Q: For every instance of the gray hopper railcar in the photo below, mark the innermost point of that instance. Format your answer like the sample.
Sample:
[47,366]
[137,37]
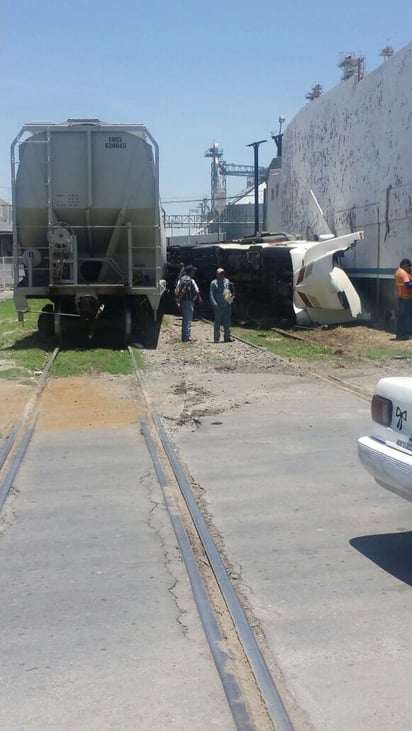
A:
[88,226]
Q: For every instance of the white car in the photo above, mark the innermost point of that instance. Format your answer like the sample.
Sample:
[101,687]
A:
[387,453]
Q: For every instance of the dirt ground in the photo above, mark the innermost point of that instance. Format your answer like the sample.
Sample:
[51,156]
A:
[187,381]
[89,402]
[13,397]
[190,380]
[352,340]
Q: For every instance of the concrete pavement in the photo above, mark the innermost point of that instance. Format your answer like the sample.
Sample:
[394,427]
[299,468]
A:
[99,629]
[323,553]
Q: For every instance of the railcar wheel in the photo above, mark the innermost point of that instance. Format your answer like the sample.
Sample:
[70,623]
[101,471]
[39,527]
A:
[127,326]
[58,324]
[45,323]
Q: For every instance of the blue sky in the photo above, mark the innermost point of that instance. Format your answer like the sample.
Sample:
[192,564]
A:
[192,73]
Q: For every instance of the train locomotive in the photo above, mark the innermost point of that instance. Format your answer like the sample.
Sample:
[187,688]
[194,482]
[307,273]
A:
[88,227]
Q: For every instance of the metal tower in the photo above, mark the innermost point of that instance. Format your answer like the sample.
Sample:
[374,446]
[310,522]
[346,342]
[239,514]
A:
[277,138]
[245,171]
[217,180]
[387,52]
[220,169]
[352,66]
[315,92]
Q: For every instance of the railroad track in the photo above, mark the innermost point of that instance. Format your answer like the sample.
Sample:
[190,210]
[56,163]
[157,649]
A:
[357,389]
[249,686]
[251,691]
[16,443]
[252,694]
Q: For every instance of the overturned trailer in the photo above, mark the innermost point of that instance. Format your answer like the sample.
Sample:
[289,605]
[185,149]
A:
[87,226]
[297,281]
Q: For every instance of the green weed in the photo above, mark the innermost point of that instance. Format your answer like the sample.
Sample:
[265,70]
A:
[24,352]
[284,347]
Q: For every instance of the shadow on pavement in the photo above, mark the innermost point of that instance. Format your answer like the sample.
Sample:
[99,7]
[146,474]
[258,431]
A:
[391,551]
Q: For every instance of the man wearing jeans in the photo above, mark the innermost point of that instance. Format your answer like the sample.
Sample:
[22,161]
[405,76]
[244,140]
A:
[403,287]
[186,294]
[221,298]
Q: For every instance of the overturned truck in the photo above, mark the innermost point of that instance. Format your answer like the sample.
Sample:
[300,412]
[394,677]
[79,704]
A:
[293,280]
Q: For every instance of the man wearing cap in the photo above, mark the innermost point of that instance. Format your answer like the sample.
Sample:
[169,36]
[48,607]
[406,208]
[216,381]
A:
[403,288]
[186,294]
[222,293]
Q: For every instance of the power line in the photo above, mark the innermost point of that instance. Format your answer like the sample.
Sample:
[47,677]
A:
[199,200]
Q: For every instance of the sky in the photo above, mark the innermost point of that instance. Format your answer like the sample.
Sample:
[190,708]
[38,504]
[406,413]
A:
[193,73]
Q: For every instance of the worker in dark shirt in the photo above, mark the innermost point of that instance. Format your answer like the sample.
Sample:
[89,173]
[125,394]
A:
[186,294]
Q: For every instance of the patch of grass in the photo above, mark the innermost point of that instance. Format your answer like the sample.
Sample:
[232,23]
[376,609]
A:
[385,353]
[16,374]
[11,329]
[92,360]
[286,348]
[167,320]
[24,352]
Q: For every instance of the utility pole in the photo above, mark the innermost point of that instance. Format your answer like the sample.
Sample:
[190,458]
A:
[255,146]
[277,138]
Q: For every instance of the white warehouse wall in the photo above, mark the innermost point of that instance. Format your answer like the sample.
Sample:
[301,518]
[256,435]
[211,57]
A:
[353,148]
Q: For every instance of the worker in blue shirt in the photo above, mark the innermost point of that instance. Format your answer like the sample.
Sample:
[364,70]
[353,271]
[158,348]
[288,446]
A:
[222,293]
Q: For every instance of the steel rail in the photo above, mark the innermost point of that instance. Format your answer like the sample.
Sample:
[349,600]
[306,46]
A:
[335,380]
[257,662]
[21,434]
[210,624]
[9,441]
[251,345]
[359,391]
[16,462]
[236,337]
